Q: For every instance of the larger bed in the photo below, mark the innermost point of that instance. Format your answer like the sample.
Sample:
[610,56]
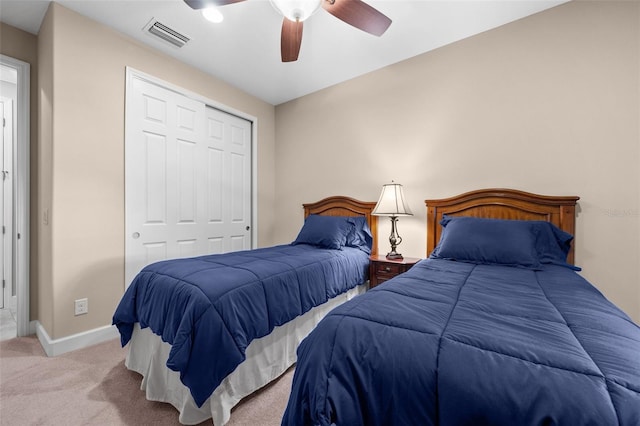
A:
[494,328]
[204,332]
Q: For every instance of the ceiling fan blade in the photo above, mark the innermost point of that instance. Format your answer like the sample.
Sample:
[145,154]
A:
[358,14]
[201,4]
[290,40]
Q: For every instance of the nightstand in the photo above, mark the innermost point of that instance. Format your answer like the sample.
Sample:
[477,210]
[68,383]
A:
[382,269]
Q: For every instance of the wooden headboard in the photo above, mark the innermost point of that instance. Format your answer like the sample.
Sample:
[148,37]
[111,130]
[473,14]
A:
[345,206]
[499,203]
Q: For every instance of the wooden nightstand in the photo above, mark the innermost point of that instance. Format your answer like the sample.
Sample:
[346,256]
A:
[382,269]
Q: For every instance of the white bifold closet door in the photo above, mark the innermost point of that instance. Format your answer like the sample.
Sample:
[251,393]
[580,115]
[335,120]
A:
[188,178]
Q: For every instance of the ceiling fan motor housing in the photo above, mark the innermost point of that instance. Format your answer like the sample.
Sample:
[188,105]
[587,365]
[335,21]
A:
[296,10]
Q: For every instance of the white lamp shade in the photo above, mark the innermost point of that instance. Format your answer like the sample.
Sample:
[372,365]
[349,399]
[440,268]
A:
[391,202]
[296,10]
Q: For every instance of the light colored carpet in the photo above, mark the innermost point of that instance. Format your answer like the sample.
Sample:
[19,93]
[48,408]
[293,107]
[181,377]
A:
[92,386]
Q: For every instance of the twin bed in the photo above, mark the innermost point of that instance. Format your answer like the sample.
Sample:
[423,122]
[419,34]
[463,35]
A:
[495,327]
[202,344]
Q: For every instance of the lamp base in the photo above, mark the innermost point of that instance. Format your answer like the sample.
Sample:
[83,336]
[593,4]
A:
[394,256]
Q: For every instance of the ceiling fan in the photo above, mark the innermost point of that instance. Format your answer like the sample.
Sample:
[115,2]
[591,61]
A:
[354,12]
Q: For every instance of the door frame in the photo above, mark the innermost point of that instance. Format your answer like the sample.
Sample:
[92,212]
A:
[21,182]
[134,73]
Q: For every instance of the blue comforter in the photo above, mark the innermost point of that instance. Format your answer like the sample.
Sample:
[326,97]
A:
[453,343]
[210,308]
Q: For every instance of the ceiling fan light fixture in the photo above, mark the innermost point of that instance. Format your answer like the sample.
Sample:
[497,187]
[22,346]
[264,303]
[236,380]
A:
[212,14]
[296,10]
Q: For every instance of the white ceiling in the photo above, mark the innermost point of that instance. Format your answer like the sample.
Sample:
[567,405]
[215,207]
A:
[244,50]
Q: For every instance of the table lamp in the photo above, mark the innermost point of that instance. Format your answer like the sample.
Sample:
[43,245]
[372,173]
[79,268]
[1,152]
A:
[392,203]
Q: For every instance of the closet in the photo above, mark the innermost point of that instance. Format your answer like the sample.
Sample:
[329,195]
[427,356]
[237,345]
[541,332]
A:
[188,186]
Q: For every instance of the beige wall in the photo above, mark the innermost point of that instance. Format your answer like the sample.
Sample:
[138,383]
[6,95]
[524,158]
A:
[548,104]
[22,45]
[85,63]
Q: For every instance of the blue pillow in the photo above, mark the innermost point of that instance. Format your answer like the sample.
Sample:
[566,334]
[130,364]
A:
[325,231]
[552,244]
[488,242]
[360,235]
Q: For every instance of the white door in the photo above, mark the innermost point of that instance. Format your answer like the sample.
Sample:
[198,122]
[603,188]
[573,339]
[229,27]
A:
[188,186]
[3,295]
[228,188]
[8,294]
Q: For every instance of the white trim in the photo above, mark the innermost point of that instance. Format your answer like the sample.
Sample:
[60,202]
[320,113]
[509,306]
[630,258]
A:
[21,191]
[254,184]
[134,73]
[75,341]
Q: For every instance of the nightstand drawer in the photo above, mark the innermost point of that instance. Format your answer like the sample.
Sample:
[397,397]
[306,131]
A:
[379,279]
[382,269]
[389,268]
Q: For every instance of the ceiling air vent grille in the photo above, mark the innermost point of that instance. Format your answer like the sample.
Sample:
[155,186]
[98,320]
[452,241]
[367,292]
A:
[167,34]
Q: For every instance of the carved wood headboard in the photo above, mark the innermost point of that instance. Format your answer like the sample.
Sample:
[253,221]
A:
[499,203]
[345,206]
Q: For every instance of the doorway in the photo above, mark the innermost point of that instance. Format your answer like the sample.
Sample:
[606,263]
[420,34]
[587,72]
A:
[14,197]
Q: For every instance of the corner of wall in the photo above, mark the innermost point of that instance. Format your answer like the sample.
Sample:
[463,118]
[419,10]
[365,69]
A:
[41,265]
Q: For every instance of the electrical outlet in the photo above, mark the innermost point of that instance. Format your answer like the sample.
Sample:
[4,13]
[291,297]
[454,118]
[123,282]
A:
[82,306]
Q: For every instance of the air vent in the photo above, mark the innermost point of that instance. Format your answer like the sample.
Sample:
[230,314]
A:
[165,33]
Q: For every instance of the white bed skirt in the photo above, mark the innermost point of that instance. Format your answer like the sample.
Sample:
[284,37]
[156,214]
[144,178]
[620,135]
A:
[267,358]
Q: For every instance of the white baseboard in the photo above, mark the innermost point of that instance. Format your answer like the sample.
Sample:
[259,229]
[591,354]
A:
[75,341]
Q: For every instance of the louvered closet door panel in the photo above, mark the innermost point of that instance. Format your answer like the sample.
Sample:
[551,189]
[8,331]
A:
[188,178]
